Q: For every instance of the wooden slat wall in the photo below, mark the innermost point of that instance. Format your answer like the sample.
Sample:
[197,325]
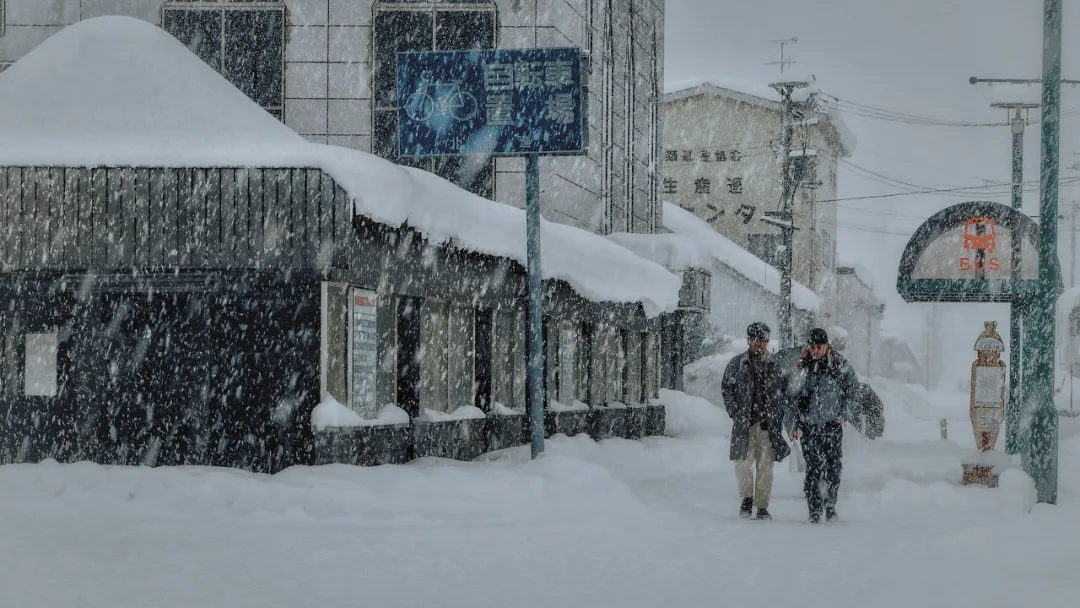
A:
[113,218]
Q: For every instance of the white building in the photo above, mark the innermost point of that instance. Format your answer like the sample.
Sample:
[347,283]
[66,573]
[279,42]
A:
[722,143]
[326,68]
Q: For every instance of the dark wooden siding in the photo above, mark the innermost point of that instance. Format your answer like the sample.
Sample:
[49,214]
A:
[114,218]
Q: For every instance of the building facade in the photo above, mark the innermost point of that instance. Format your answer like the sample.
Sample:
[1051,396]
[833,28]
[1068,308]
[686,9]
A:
[326,68]
[722,161]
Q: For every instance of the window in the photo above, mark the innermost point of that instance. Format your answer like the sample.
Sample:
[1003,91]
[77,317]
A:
[244,41]
[767,247]
[434,370]
[566,363]
[40,377]
[427,25]
[408,355]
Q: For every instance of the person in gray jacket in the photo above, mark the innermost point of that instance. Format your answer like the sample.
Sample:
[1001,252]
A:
[822,388]
[753,392]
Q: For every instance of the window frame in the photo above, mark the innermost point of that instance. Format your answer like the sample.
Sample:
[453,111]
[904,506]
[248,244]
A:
[277,111]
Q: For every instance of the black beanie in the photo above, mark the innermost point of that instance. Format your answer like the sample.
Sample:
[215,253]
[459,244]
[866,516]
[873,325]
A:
[818,336]
[758,330]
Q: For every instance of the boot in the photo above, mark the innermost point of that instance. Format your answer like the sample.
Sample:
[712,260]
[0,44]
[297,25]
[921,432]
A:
[815,517]
[830,514]
[763,513]
[747,508]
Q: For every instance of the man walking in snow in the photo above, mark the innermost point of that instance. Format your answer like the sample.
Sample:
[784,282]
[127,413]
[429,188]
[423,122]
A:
[823,386]
[753,392]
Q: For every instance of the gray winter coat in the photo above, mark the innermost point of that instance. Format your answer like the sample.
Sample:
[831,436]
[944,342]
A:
[738,393]
[821,394]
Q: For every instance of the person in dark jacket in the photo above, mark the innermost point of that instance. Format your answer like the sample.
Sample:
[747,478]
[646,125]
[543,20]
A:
[753,392]
[823,387]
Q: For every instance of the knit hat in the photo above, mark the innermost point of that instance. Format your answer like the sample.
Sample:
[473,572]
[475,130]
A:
[758,330]
[818,336]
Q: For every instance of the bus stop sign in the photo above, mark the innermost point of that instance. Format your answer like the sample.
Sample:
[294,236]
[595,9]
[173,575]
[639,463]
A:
[506,102]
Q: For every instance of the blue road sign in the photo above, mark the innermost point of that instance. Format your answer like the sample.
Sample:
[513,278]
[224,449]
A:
[507,102]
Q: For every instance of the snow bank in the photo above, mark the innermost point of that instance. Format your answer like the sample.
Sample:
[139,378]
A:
[576,406]
[690,416]
[712,243]
[118,91]
[502,410]
[331,413]
[669,250]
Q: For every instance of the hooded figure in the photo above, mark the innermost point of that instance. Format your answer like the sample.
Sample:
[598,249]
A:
[822,389]
[753,392]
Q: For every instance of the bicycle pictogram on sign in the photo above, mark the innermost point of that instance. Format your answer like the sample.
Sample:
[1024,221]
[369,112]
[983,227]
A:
[449,99]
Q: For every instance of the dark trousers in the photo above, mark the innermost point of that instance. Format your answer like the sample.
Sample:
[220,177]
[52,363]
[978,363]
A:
[823,450]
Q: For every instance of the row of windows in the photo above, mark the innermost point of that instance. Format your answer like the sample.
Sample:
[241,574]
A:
[442,355]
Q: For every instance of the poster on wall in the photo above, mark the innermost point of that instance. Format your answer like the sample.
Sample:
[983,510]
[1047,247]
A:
[363,352]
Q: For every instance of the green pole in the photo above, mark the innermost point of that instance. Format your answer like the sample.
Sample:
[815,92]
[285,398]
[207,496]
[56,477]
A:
[1041,454]
[534,371]
[1013,410]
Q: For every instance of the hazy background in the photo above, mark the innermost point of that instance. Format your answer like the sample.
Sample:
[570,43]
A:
[913,57]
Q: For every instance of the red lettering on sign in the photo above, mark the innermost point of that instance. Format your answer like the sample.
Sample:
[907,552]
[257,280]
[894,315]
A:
[993,264]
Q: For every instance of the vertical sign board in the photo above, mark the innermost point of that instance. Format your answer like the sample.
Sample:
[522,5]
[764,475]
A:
[506,102]
[363,356]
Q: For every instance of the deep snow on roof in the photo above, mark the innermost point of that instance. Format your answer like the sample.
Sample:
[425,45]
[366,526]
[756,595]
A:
[118,91]
[725,251]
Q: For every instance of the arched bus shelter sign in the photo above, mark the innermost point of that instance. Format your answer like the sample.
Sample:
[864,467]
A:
[964,254]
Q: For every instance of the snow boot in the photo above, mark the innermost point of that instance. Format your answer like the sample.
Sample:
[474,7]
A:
[830,514]
[747,508]
[763,513]
[815,518]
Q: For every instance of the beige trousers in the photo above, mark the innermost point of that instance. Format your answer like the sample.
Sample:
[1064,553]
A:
[760,453]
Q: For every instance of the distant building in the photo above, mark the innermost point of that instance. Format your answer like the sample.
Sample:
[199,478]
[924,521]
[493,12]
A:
[722,162]
[326,68]
[849,302]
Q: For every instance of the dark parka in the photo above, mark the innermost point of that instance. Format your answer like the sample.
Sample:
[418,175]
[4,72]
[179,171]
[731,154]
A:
[737,389]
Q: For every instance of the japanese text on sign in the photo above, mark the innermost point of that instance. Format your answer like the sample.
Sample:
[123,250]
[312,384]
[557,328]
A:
[500,102]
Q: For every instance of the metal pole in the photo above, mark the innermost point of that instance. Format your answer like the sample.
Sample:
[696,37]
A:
[1041,452]
[534,371]
[1016,378]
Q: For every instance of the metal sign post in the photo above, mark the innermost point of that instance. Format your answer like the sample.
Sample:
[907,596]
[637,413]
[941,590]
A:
[507,102]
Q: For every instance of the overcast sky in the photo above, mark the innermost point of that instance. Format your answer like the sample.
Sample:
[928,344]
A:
[913,57]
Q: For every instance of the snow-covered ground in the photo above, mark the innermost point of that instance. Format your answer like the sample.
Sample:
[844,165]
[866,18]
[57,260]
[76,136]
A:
[616,523]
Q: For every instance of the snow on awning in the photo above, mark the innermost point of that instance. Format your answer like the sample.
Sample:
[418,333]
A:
[725,251]
[118,91]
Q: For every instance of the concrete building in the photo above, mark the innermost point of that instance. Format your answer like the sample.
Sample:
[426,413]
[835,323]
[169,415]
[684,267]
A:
[721,143]
[326,68]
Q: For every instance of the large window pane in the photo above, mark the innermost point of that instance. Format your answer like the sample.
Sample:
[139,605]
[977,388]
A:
[199,30]
[464,30]
[461,355]
[254,53]
[434,371]
[41,373]
[396,32]
[408,355]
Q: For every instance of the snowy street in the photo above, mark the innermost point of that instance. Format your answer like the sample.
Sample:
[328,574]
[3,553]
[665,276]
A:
[618,523]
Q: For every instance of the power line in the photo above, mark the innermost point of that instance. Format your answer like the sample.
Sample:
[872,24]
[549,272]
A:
[935,191]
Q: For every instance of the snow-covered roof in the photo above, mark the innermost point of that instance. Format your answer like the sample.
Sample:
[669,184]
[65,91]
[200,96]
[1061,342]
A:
[672,251]
[741,90]
[764,96]
[725,251]
[118,91]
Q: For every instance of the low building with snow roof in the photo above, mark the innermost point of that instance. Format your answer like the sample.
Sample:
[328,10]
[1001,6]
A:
[742,288]
[192,282]
[722,146]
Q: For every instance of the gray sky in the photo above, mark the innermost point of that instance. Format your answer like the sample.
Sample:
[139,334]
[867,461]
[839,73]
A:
[913,57]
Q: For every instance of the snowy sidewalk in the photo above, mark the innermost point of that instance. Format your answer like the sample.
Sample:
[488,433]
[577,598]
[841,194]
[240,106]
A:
[620,523]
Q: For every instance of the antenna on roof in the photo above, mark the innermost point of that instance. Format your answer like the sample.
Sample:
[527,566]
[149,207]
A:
[785,60]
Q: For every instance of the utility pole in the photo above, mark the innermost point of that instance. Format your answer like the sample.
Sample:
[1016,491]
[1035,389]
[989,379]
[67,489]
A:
[786,219]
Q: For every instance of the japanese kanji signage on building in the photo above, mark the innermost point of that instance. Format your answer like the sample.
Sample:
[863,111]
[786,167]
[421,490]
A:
[363,351]
[505,102]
